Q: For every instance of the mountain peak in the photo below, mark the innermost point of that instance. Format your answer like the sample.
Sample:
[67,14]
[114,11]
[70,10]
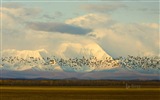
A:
[76,50]
[91,53]
[23,53]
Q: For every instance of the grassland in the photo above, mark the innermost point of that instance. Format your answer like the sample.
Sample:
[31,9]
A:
[77,93]
[13,89]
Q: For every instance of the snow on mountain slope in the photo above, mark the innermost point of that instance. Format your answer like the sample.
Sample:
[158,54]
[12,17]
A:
[23,53]
[27,59]
[77,57]
[73,50]
[38,63]
[91,52]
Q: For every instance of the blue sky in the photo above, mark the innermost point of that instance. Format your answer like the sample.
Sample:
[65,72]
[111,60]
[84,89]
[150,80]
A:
[113,24]
[133,12]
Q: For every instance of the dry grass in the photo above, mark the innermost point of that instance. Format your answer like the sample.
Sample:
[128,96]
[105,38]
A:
[78,93]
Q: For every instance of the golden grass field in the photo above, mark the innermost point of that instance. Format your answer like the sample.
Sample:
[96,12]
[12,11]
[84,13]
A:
[77,93]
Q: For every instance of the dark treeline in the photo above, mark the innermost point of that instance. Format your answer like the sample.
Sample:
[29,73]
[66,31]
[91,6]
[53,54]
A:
[105,83]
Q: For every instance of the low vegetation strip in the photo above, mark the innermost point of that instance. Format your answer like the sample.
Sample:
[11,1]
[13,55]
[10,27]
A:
[78,93]
[75,88]
[91,83]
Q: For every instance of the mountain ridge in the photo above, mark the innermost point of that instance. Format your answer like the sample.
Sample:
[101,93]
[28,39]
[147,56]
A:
[43,60]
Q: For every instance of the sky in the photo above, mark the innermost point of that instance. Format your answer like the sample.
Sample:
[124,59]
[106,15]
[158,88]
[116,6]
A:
[119,27]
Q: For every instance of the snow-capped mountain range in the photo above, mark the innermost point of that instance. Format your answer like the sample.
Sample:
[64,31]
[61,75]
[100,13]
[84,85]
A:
[20,60]
[70,59]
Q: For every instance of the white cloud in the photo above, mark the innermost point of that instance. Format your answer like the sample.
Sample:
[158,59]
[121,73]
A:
[119,38]
[152,25]
[14,18]
[115,38]
[122,45]
[13,26]
[91,20]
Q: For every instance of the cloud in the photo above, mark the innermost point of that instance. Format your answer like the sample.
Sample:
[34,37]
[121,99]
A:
[120,39]
[18,34]
[50,41]
[20,12]
[103,8]
[12,5]
[130,39]
[152,25]
[48,16]
[14,17]
[91,20]
[21,32]
[56,15]
[12,25]
[58,27]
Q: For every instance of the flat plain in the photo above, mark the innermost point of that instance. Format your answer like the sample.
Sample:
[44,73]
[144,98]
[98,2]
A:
[77,93]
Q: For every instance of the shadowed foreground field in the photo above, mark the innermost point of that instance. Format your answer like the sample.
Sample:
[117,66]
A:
[77,93]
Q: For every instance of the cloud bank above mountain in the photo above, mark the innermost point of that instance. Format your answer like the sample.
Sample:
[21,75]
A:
[58,27]
[137,38]
[23,29]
